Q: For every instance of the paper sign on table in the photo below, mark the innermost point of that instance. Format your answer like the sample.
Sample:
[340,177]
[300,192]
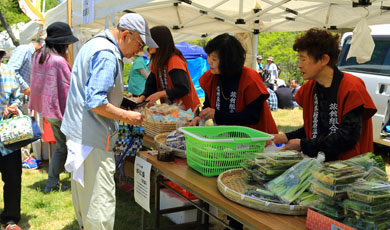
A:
[142,183]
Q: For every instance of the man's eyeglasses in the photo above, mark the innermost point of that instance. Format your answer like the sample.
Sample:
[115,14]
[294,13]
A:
[141,44]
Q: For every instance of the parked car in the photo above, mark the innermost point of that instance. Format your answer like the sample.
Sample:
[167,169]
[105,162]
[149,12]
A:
[376,76]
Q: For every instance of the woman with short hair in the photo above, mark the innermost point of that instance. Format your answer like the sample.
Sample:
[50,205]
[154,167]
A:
[337,108]
[234,94]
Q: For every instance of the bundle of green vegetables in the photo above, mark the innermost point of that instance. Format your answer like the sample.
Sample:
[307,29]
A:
[376,174]
[368,160]
[261,193]
[307,198]
[292,183]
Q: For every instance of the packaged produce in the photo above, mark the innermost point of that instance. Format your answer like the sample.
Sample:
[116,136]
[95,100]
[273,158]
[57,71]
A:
[249,167]
[282,163]
[339,172]
[248,164]
[376,173]
[363,224]
[368,160]
[367,216]
[292,183]
[371,192]
[308,199]
[270,170]
[285,155]
[259,156]
[261,178]
[176,140]
[332,201]
[373,209]
[261,193]
[334,212]
[170,113]
[332,191]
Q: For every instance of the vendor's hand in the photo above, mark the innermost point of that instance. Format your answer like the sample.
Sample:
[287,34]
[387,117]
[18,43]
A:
[207,113]
[26,91]
[154,97]
[280,138]
[140,99]
[133,118]
[194,121]
[293,144]
[11,109]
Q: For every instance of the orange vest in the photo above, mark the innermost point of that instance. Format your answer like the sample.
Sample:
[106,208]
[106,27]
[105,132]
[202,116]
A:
[351,94]
[190,100]
[249,89]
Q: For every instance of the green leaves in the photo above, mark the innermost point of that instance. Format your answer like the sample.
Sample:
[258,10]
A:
[279,45]
[11,12]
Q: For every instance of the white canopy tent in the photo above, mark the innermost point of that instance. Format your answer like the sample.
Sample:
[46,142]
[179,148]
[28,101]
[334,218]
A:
[196,19]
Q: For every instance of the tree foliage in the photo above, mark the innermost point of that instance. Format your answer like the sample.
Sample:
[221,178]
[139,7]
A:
[202,42]
[11,12]
[279,46]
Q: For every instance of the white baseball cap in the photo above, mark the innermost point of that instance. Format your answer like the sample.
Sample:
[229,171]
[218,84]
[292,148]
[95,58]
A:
[135,22]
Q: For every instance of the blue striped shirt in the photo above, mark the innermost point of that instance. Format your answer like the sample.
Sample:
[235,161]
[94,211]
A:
[9,94]
[104,68]
[21,62]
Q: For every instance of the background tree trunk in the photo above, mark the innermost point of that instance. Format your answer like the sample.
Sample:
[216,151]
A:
[9,30]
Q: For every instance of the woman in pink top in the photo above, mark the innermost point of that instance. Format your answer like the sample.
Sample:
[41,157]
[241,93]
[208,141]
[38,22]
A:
[50,80]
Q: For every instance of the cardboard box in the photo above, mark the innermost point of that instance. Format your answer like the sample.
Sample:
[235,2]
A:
[169,199]
[317,221]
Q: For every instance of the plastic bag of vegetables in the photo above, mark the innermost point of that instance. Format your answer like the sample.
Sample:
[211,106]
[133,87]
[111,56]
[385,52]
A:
[368,160]
[292,183]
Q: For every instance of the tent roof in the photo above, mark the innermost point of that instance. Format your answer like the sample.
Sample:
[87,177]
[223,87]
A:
[195,19]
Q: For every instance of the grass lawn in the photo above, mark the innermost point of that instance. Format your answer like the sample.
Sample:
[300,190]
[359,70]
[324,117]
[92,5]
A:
[55,210]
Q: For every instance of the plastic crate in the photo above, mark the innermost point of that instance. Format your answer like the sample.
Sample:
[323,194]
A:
[181,190]
[212,150]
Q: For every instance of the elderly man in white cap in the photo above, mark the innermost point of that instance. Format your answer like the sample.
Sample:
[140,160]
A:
[91,118]
[271,72]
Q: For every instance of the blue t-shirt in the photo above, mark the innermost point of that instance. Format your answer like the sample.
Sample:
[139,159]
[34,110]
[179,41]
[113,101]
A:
[136,80]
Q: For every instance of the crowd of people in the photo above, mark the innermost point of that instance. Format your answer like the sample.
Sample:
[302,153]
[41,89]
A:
[281,95]
[82,103]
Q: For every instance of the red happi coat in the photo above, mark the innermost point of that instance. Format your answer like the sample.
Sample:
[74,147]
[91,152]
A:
[351,94]
[249,89]
[190,100]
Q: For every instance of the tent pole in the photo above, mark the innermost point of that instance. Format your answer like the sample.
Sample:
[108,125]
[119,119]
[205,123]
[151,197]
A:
[70,47]
[255,40]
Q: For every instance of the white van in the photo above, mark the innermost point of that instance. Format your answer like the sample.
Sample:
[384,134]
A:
[376,76]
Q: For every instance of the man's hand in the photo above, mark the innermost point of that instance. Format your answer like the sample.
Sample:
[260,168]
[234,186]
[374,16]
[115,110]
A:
[207,113]
[27,91]
[133,118]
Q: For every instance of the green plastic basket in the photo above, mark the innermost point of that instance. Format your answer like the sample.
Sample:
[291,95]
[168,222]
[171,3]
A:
[212,150]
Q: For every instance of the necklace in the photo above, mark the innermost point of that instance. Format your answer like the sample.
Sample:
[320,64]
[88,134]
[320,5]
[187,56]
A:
[226,98]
